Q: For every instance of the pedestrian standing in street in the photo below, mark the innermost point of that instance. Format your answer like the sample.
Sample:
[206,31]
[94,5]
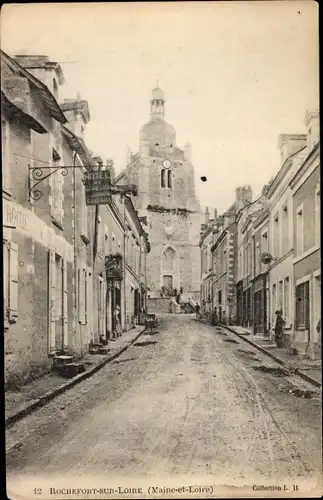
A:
[197,310]
[214,318]
[279,329]
[118,323]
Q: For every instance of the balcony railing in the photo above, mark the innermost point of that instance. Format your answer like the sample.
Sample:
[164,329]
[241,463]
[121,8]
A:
[114,267]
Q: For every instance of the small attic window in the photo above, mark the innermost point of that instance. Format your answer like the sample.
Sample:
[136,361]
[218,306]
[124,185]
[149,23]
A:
[157,144]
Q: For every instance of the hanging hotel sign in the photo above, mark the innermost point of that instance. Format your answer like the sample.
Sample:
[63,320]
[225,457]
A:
[99,189]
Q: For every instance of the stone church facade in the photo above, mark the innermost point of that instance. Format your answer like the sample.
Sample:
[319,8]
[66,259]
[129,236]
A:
[167,204]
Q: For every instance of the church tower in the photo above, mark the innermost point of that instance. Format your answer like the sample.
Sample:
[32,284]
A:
[164,175]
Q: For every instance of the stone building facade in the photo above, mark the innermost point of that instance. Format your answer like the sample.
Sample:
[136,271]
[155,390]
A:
[56,293]
[206,241]
[305,187]
[166,201]
[223,260]
[281,228]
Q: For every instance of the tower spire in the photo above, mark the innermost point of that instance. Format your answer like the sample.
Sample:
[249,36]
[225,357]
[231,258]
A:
[157,101]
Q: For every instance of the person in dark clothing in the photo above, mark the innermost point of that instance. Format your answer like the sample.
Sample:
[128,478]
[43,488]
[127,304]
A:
[279,329]
[197,310]
[214,318]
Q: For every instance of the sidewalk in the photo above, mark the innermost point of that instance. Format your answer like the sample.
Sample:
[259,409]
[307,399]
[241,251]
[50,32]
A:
[27,398]
[307,369]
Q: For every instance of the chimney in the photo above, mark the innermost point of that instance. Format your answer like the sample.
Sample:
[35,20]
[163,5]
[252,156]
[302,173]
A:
[215,214]
[98,161]
[48,72]
[188,151]
[289,144]
[128,155]
[312,123]
[207,216]
[77,113]
[265,189]
[243,195]
[112,171]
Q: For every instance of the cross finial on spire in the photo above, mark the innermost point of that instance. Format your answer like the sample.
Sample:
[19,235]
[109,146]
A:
[158,83]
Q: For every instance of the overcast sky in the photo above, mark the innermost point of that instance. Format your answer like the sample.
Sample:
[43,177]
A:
[235,75]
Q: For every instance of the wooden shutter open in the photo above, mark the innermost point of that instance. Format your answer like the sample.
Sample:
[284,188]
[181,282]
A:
[5,248]
[51,299]
[85,297]
[65,310]
[13,282]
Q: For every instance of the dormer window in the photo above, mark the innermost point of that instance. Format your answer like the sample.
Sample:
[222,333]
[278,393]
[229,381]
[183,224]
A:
[157,144]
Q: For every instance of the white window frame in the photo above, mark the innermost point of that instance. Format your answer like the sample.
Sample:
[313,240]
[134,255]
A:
[84,227]
[287,300]
[82,296]
[299,235]
[106,240]
[317,214]
[56,183]
[285,238]
[276,236]
[100,237]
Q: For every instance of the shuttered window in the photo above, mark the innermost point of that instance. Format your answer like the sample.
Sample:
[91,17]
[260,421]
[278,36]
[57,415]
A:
[57,298]
[10,282]
[303,305]
[56,181]
[82,296]
[51,300]
[65,304]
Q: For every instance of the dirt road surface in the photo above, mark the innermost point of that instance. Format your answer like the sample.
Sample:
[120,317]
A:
[187,402]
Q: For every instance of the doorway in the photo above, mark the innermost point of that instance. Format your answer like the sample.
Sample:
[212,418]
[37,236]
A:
[59,293]
[168,281]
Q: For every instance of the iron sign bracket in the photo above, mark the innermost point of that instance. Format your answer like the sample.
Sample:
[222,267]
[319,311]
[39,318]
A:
[38,174]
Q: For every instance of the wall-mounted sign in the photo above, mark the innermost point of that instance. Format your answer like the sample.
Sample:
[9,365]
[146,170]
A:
[97,187]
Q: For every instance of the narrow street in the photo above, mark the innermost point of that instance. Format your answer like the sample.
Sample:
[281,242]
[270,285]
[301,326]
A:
[186,401]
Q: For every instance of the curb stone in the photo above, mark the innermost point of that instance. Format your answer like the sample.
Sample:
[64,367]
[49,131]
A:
[297,371]
[48,396]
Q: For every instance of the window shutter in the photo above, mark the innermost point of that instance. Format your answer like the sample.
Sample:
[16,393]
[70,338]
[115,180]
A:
[80,294]
[51,299]
[65,311]
[5,283]
[85,297]
[103,299]
[307,304]
[89,306]
[13,282]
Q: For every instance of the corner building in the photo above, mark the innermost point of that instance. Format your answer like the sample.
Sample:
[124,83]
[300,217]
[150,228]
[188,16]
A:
[167,204]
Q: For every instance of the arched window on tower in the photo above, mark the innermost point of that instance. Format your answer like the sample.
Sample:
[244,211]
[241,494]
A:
[169,257]
[169,179]
[162,178]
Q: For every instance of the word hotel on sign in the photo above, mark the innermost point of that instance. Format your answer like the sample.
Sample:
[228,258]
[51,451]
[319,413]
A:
[95,175]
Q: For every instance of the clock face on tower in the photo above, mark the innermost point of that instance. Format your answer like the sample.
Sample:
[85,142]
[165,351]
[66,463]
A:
[166,163]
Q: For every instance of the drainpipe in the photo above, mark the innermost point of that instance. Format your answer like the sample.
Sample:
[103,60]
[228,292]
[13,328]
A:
[95,243]
[124,266]
[253,284]
[75,251]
